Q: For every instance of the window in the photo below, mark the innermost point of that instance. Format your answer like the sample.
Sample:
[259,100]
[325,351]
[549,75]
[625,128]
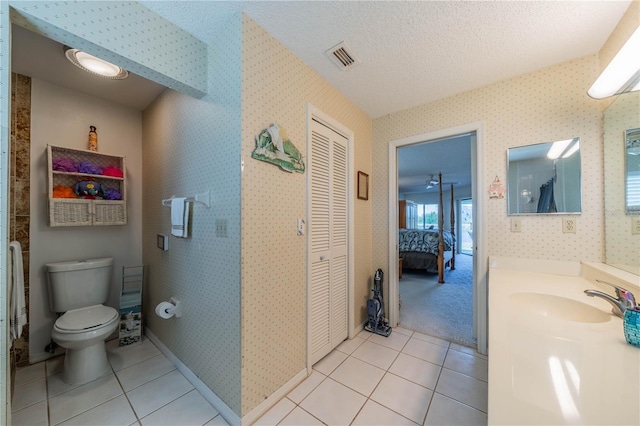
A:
[427,216]
[633,192]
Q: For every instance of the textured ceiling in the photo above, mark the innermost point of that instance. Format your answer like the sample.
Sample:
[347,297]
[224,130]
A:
[414,52]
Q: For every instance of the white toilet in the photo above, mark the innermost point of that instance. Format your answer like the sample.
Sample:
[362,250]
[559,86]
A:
[78,288]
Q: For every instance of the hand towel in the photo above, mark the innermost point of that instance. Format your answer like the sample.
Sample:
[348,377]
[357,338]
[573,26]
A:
[179,217]
[17,306]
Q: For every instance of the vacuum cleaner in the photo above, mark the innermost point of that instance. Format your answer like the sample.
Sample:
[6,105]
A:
[377,323]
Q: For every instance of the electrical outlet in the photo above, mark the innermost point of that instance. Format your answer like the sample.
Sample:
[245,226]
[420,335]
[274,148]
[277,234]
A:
[516,224]
[221,228]
[569,225]
[635,225]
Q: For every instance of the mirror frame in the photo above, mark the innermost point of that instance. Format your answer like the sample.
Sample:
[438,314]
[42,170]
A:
[533,197]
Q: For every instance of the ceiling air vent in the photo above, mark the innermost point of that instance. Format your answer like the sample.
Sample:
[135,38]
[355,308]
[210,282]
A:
[342,55]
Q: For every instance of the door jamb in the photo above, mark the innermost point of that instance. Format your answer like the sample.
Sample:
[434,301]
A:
[317,114]
[479,199]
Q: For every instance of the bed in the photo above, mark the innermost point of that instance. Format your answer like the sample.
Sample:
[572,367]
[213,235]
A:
[430,249]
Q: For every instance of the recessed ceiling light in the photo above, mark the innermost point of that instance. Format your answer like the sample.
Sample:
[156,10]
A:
[93,65]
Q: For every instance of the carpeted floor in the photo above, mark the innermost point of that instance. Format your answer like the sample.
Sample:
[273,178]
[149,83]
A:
[440,310]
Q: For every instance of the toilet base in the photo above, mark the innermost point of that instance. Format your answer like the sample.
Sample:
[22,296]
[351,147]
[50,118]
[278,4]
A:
[85,364]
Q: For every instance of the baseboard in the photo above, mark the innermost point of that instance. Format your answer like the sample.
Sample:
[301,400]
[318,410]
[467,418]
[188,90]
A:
[227,413]
[274,398]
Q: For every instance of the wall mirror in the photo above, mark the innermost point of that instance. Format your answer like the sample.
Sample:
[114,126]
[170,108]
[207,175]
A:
[544,178]
[621,121]
[632,171]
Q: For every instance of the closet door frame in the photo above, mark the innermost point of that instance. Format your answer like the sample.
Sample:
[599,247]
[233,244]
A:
[314,113]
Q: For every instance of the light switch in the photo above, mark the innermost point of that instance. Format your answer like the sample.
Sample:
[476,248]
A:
[221,228]
[300,226]
[516,224]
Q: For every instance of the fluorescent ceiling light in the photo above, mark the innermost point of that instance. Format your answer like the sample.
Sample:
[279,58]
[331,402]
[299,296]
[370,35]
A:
[557,149]
[93,65]
[623,72]
[572,149]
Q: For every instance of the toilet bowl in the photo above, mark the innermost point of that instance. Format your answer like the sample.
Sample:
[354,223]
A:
[78,289]
[82,333]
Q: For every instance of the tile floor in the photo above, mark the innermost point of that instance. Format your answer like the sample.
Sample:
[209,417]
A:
[406,379]
[144,388]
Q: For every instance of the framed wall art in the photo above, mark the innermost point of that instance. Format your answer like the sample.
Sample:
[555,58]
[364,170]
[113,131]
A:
[363,186]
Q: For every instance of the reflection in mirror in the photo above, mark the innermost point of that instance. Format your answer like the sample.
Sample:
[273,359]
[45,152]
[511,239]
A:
[544,178]
[622,246]
[632,175]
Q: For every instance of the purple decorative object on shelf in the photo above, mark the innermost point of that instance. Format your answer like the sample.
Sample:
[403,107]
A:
[64,164]
[89,168]
[112,194]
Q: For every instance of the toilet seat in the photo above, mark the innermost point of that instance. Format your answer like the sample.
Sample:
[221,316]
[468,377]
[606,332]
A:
[86,319]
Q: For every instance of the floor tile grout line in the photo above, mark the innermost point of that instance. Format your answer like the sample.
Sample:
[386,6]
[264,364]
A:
[460,402]
[169,402]
[450,397]
[465,374]
[46,384]
[125,394]
[88,409]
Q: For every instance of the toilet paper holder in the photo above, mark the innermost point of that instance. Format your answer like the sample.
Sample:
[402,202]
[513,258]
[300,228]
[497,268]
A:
[176,310]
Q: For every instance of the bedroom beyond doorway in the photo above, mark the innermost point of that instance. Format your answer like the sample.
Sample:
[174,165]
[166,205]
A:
[466,226]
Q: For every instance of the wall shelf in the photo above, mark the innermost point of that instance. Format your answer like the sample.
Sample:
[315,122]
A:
[85,212]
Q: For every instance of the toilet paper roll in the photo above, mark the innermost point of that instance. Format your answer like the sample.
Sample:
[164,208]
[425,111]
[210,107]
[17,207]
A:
[165,310]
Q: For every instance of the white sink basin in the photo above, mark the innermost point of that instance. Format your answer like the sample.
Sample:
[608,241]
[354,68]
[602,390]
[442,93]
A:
[558,307]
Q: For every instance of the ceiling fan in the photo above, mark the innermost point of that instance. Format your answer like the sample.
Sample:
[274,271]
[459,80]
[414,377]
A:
[433,181]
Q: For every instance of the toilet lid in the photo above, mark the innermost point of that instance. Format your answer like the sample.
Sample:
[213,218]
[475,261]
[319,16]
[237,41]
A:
[85,318]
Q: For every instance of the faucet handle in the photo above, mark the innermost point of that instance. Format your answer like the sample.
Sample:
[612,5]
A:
[622,293]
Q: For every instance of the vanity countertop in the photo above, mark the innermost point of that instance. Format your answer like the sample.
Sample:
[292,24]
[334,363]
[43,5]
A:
[557,356]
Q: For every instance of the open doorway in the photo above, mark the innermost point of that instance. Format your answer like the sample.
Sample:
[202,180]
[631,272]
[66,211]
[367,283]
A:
[476,246]
[434,177]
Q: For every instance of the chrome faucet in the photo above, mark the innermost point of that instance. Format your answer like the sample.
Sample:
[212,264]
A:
[624,298]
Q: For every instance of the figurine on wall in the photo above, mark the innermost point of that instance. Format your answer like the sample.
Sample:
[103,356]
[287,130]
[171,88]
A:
[273,146]
[93,139]
[496,189]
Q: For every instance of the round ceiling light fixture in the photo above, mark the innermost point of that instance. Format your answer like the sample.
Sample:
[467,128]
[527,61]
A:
[93,65]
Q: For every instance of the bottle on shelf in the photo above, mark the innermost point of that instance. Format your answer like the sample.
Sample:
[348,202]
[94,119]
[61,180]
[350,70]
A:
[93,139]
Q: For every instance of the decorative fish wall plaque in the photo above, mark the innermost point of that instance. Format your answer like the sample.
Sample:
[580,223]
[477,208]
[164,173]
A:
[273,146]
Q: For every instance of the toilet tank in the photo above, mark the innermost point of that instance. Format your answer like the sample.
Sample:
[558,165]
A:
[78,283]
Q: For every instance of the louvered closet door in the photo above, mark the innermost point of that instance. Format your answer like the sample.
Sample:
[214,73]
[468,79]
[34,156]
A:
[328,240]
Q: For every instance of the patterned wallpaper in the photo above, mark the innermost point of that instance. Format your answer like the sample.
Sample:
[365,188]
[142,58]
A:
[276,87]
[545,105]
[622,247]
[190,146]
[123,32]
